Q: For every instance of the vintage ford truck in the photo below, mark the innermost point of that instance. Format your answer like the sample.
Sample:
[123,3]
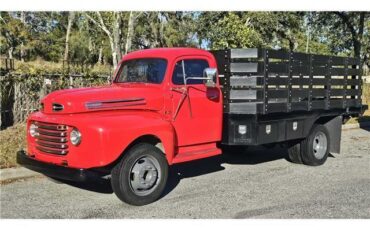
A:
[171,105]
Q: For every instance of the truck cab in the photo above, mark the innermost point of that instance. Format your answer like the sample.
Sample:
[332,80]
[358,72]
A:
[161,100]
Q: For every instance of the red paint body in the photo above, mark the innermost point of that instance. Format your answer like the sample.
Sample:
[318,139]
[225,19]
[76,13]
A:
[187,132]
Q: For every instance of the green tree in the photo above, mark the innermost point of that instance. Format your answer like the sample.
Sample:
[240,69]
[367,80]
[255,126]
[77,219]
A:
[228,30]
[345,32]
[13,33]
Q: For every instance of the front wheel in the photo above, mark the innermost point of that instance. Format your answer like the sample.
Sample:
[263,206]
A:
[141,175]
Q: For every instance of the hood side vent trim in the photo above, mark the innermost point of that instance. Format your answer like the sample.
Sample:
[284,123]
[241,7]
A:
[115,103]
[57,107]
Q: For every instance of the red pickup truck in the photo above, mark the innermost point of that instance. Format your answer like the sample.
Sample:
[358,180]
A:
[172,105]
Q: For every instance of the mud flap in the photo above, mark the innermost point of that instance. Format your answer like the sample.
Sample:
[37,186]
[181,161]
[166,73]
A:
[334,127]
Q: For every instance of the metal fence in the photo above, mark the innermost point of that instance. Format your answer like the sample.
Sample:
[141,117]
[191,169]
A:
[20,94]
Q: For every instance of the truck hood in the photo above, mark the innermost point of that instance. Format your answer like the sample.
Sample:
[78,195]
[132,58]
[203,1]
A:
[113,97]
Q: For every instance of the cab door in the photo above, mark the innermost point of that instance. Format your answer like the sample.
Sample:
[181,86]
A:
[196,109]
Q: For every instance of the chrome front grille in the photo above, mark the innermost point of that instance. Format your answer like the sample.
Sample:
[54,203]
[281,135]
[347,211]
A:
[51,138]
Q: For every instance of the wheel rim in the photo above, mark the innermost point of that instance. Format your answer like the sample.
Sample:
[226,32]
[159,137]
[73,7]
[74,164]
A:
[320,145]
[144,175]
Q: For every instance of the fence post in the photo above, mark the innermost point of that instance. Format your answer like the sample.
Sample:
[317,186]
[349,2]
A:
[70,81]
[1,101]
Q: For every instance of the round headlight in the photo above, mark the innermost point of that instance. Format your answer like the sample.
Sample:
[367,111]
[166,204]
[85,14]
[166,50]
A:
[33,130]
[75,137]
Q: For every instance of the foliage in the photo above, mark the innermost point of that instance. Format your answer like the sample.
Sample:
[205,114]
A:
[344,32]
[13,33]
[38,67]
[231,31]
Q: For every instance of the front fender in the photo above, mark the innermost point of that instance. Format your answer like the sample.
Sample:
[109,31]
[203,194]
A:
[122,131]
[105,136]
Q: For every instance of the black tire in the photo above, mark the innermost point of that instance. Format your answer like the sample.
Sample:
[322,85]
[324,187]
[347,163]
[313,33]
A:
[309,153]
[294,152]
[122,175]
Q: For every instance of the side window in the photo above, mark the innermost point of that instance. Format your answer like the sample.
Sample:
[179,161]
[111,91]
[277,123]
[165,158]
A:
[192,67]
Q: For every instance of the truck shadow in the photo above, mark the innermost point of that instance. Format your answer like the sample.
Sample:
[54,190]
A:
[365,127]
[250,156]
[101,186]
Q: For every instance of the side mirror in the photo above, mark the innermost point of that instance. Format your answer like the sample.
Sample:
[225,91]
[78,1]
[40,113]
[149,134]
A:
[210,77]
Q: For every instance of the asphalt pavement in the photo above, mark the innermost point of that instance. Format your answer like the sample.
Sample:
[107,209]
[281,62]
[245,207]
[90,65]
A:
[257,183]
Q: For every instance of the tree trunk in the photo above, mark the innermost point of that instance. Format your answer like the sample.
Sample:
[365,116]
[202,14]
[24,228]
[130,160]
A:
[356,48]
[23,20]
[130,32]
[117,37]
[10,52]
[113,35]
[71,16]
[155,31]
[358,41]
[161,30]
[100,57]
[114,53]
[356,36]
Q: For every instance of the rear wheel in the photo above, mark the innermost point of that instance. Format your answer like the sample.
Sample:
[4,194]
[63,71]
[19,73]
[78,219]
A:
[315,148]
[141,176]
[294,152]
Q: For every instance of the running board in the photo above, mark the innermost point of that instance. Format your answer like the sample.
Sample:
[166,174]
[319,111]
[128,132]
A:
[195,152]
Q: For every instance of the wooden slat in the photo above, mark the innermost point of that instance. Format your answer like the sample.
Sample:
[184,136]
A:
[247,94]
[278,68]
[336,104]
[278,80]
[353,82]
[277,54]
[245,67]
[319,81]
[337,81]
[243,107]
[338,71]
[277,93]
[244,53]
[338,61]
[319,59]
[277,107]
[302,93]
[300,81]
[353,71]
[244,81]
[301,70]
[299,106]
[319,71]
[318,92]
[319,104]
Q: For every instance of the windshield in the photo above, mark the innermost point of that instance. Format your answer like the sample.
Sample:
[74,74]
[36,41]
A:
[148,70]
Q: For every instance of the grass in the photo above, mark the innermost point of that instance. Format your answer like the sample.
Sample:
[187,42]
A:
[11,140]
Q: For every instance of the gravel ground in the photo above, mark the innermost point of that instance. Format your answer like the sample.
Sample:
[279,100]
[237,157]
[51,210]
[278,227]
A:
[258,184]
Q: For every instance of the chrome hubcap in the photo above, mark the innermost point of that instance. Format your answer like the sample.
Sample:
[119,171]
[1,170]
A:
[320,145]
[144,175]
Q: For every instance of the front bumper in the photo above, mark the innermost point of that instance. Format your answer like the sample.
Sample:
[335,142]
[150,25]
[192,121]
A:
[56,171]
